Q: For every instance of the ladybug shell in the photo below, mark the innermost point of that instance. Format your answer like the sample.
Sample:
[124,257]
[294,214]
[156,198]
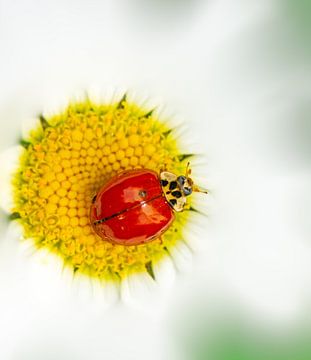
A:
[130,209]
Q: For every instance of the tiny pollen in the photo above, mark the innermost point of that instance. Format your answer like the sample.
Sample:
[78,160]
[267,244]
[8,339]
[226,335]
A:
[67,159]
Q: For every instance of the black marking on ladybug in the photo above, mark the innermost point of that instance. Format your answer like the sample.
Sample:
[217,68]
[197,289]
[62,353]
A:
[94,199]
[187,191]
[168,192]
[120,104]
[125,210]
[173,185]
[25,143]
[181,180]
[43,122]
[164,182]
[14,216]
[149,268]
[184,156]
[142,193]
[177,194]
[173,202]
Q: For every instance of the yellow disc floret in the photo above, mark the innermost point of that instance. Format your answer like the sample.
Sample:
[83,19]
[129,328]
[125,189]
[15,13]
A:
[67,159]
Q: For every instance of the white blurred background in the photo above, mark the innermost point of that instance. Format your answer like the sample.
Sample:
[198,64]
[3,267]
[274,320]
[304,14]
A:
[238,74]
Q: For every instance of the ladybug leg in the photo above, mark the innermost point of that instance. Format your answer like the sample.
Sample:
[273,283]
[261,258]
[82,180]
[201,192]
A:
[94,198]
[160,240]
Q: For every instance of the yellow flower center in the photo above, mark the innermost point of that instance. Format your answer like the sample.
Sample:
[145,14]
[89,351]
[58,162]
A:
[67,159]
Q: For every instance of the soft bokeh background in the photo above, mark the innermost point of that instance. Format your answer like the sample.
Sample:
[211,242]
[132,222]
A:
[238,74]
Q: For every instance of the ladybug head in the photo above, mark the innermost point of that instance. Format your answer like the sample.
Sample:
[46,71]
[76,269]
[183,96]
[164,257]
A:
[177,188]
[186,183]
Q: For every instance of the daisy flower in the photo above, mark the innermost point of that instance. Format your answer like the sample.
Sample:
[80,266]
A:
[235,73]
[65,161]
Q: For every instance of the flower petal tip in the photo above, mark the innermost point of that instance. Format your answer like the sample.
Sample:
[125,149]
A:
[182,257]
[28,125]
[137,287]
[8,164]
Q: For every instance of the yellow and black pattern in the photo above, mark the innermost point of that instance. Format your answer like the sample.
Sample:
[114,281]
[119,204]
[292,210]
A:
[172,191]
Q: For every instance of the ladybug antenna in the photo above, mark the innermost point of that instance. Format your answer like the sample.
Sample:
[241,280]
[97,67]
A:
[195,188]
[188,170]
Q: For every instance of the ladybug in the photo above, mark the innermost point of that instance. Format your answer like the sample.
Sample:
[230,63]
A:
[137,206]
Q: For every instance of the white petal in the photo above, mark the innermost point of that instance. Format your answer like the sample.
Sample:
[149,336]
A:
[105,293]
[85,291]
[15,231]
[106,95]
[182,257]
[165,273]
[28,125]
[195,233]
[141,292]
[150,295]
[44,276]
[137,284]
[10,243]
[52,106]
[8,164]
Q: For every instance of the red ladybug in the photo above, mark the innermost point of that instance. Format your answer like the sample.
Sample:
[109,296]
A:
[137,206]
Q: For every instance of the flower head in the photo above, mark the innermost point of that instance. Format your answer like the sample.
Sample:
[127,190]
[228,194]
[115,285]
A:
[66,160]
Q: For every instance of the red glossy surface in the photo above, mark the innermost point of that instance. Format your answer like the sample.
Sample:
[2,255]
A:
[134,207]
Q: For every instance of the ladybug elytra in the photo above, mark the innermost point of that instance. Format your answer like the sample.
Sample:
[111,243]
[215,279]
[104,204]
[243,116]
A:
[137,206]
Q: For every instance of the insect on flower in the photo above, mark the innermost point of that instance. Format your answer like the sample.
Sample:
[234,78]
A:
[137,206]
[128,157]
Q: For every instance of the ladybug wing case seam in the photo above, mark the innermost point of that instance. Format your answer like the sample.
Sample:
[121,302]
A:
[125,210]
